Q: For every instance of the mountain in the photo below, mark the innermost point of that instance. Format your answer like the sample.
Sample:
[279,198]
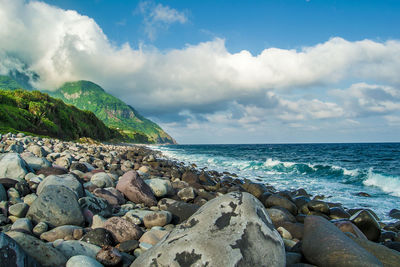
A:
[38,113]
[112,111]
[8,83]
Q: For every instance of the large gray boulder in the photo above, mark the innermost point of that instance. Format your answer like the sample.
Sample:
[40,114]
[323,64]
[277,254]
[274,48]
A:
[67,180]
[37,249]
[36,163]
[13,166]
[232,230]
[56,205]
[11,254]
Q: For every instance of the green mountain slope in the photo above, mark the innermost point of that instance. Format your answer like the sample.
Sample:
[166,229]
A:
[8,83]
[111,110]
[38,113]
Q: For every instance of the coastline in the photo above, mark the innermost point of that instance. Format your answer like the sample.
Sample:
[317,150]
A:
[142,201]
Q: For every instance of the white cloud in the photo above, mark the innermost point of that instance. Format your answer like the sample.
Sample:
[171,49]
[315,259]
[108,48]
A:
[212,84]
[159,17]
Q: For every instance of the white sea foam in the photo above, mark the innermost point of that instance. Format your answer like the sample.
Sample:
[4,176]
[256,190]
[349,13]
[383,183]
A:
[388,184]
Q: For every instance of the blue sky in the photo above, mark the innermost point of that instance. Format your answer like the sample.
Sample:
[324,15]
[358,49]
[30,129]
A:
[223,71]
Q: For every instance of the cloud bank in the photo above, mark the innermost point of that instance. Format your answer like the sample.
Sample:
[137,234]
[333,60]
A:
[204,83]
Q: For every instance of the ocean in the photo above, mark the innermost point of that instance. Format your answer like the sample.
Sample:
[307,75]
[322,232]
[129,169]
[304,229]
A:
[336,171]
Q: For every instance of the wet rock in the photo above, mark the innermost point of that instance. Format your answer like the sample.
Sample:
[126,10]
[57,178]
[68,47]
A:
[122,230]
[279,201]
[255,189]
[349,227]
[180,210]
[325,245]
[367,223]
[99,237]
[81,260]
[237,219]
[395,214]
[135,189]
[67,180]
[160,187]
[338,213]
[318,206]
[280,215]
[11,254]
[160,218]
[37,249]
[59,232]
[387,256]
[14,167]
[72,248]
[392,245]
[109,256]
[56,205]
[112,195]
[129,246]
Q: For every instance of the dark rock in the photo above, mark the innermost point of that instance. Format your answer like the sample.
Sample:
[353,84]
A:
[52,171]
[180,210]
[338,213]
[325,245]
[109,256]
[280,215]
[295,229]
[99,237]
[56,205]
[387,236]
[8,183]
[387,256]
[292,258]
[300,201]
[392,245]
[363,194]
[354,211]
[128,246]
[395,214]
[235,225]
[279,201]
[23,188]
[11,254]
[190,177]
[318,206]
[255,189]
[135,189]
[79,166]
[112,195]
[94,205]
[367,223]
[122,230]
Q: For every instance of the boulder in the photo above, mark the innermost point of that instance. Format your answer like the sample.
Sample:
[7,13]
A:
[19,210]
[367,223]
[122,230]
[22,224]
[280,215]
[91,206]
[52,171]
[109,256]
[36,163]
[72,248]
[59,232]
[81,260]
[153,236]
[135,189]
[99,237]
[102,180]
[56,205]
[180,210]
[325,245]
[231,230]
[112,195]
[45,255]
[349,227]
[387,256]
[67,180]
[160,187]
[338,213]
[11,254]
[394,213]
[279,201]
[159,218]
[14,167]
[37,150]
[187,194]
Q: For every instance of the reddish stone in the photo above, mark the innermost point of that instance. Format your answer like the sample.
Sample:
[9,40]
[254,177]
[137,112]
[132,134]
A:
[135,189]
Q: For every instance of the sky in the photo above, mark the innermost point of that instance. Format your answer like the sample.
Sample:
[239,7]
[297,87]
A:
[235,71]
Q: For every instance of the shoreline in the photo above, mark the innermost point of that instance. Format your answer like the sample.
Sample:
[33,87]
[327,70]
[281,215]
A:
[141,201]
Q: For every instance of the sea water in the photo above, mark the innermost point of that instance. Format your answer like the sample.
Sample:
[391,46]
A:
[336,171]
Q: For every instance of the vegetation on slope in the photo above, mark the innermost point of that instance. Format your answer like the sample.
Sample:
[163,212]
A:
[38,113]
[112,111]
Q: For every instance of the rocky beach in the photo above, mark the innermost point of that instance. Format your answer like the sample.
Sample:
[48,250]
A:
[93,204]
